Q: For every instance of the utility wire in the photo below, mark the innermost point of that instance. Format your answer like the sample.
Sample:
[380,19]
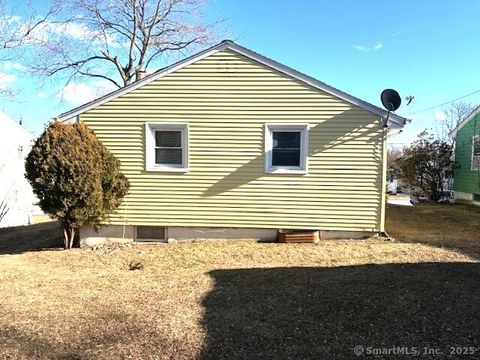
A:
[445,103]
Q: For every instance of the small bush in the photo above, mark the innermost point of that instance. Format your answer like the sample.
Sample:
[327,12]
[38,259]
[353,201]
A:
[76,179]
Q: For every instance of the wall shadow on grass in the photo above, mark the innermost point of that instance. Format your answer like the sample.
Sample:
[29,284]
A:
[19,239]
[323,313]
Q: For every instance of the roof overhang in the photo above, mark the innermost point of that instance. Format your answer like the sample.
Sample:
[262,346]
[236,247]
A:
[394,121]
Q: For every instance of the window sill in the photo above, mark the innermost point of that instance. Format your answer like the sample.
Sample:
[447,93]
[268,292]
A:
[166,169]
[286,171]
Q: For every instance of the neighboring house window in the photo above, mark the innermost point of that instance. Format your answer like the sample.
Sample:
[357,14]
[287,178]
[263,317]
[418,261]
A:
[286,148]
[166,147]
[476,152]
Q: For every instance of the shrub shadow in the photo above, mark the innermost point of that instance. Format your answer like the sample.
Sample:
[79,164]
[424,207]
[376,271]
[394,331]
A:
[323,313]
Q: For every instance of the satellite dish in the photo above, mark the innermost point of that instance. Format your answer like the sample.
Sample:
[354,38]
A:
[390,99]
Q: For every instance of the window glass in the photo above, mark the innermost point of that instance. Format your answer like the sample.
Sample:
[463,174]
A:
[286,148]
[168,138]
[168,147]
[476,145]
[150,232]
[168,156]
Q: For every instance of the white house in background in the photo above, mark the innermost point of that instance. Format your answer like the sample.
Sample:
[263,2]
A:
[15,191]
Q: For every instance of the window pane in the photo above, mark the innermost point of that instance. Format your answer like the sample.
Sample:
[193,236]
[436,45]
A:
[476,162]
[286,140]
[286,148]
[168,156]
[168,138]
[285,157]
[476,146]
[150,233]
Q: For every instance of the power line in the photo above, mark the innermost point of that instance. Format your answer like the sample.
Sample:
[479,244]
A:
[445,103]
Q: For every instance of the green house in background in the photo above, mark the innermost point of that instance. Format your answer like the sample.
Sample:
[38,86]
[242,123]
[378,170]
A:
[467,158]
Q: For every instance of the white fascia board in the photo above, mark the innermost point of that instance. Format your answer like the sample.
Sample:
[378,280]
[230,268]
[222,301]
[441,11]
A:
[394,122]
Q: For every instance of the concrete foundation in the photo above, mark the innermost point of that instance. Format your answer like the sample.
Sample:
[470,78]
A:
[198,234]
[119,233]
[458,195]
[112,233]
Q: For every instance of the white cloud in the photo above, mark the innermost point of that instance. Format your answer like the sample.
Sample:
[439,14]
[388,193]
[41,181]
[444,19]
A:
[6,80]
[79,32]
[9,65]
[42,95]
[374,47]
[76,31]
[360,47]
[440,116]
[81,93]
[152,70]
[12,19]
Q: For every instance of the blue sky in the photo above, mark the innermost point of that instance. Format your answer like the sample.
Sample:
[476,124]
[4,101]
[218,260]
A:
[428,49]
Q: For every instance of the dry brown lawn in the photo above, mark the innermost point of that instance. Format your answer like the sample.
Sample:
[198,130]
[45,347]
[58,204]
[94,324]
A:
[245,300]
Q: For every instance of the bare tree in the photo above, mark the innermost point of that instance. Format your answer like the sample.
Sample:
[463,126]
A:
[454,114]
[16,33]
[393,170]
[118,40]
[3,208]
[19,32]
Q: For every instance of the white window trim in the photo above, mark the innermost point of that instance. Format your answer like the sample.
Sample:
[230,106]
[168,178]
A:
[150,129]
[303,168]
[473,168]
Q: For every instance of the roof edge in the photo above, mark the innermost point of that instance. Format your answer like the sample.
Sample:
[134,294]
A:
[150,77]
[395,121]
[461,124]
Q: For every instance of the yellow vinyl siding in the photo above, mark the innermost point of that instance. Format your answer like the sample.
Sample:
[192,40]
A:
[227,99]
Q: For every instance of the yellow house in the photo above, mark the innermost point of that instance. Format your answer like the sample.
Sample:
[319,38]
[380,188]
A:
[230,144]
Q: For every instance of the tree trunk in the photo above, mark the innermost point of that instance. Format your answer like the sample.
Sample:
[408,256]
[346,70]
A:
[68,236]
[139,74]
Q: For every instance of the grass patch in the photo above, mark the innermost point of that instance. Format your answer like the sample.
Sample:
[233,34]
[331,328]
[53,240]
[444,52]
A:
[451,226]
[243,299]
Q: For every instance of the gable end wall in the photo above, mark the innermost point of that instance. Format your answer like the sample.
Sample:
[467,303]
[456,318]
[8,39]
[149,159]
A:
[226,99]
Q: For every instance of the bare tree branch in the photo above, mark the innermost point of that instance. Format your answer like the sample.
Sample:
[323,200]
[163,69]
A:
[452,116]
[121,37]
[16,33]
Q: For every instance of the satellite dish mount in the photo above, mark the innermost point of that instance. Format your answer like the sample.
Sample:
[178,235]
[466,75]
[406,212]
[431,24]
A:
[391,101]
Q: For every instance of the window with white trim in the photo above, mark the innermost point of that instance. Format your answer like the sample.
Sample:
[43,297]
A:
[166,147]
[476,152]
[286,148]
